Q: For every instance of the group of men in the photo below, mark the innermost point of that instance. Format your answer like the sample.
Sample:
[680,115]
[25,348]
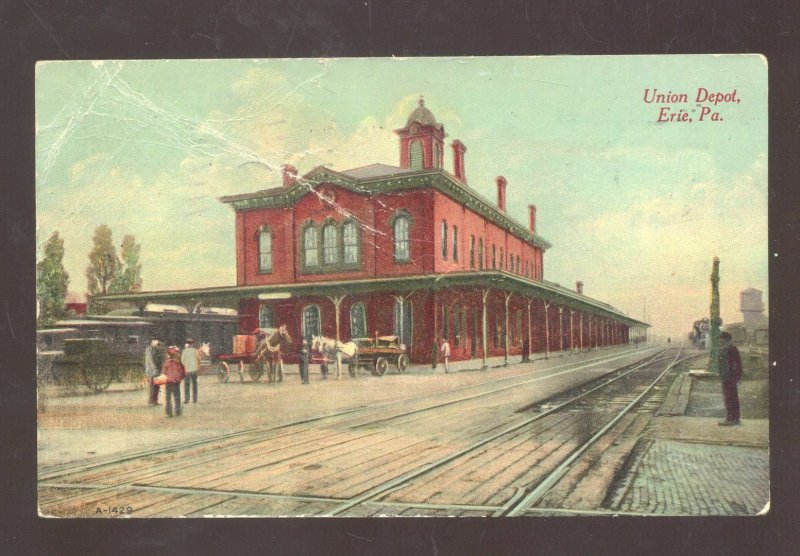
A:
[170,371]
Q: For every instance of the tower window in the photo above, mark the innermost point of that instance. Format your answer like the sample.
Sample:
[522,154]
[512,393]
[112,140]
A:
[415,158]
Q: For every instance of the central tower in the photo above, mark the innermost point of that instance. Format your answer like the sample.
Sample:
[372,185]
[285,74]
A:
[422,140]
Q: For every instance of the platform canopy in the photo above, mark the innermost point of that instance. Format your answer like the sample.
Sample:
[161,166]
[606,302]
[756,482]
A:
[229,296]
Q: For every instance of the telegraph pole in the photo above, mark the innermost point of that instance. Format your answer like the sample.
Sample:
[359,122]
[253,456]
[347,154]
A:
[714,321]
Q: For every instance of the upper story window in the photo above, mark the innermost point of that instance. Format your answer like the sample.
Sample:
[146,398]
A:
[310,246]
[494,257]
[415,159]
[444,239]
[402,247]
[264,250]
[455,243]
[480,253]
[330,244]
[350,235]
[517,264]
[502,259]
[472,251]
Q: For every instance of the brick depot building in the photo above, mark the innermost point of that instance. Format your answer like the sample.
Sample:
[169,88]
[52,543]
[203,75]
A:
[409,250]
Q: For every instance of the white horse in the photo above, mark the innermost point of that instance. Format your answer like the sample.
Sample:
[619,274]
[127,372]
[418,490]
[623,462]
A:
[334,348]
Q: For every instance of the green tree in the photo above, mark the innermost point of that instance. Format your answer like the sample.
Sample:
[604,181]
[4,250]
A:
[52,281]
[102,267]
[129,272]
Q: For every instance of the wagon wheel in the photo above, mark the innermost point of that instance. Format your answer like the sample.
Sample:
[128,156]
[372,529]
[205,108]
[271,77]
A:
[402,362]
[256,370]
[223,372]
[97,379]
[381,364]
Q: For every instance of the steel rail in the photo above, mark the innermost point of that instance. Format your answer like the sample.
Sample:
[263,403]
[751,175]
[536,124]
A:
[514,508]
[404,478]
[60,470]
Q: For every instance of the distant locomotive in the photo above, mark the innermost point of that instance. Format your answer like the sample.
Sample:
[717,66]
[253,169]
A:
[699,336]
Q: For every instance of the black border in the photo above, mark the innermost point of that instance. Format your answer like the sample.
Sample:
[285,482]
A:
[37,30]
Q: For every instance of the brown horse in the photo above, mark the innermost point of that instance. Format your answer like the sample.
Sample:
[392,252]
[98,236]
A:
[271,351]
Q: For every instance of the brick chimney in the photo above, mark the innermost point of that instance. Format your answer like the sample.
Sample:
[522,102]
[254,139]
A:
[532,218]
[501,193]
[579,287]
[458,161]
[289,175]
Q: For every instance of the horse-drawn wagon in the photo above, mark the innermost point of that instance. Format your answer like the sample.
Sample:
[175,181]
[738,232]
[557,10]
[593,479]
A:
[252,351]
[377,353]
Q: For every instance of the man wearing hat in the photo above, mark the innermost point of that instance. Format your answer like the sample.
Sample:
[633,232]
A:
[153,358]
[174,373]
[730,373]
[190,358]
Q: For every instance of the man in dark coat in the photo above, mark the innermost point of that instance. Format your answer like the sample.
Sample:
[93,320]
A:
[304,361]
[730,373]
[153,359]
[174,372]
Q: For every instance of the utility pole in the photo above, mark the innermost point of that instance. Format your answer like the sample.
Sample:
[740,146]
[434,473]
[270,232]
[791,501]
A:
[714,321]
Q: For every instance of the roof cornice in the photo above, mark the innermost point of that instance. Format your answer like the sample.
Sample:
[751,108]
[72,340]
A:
[440,180]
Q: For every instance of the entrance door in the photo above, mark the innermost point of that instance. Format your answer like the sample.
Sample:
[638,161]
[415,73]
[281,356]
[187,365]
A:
[311,322]
[402,321]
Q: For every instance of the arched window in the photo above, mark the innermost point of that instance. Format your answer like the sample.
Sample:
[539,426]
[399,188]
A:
[517,264]
[266,317]
[472,251]
[415,155]
[350,233]
[402,248]
[358,321]
[494,257]
[330,244]
[502,259]
[311,320]
[310,246]
[455,243]
[264,250]
[444,239]
[402,321]
[437,155]
[480,253]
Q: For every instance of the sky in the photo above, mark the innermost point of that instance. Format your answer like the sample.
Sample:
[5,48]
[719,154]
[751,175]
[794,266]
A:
[635,208]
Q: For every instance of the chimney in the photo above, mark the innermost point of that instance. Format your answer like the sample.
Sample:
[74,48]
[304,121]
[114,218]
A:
[289,175]
[579,287]
[501,193]
[532,218]
[458,161]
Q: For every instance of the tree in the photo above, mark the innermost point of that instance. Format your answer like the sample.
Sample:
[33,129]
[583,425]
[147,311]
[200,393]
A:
[52,281]
[103,262]
[129,272]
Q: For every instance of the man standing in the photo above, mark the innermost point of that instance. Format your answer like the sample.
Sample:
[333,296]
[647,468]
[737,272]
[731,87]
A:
[730,373]
[304,361]
[445,352]
[174,373]
[153,358]
[190,359]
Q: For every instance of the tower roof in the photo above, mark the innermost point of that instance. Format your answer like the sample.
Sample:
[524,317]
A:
[421,115]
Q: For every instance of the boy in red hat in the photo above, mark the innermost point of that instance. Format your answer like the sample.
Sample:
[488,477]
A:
[174,372]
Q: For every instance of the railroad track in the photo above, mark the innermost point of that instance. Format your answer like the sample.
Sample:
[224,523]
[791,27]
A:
[354,429]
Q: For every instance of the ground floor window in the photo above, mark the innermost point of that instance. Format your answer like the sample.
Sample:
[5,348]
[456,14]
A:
[358,321]
[311,322]
[266,317]
[402,321]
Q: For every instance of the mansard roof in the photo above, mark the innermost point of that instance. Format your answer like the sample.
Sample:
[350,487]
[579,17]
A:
[381,178]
